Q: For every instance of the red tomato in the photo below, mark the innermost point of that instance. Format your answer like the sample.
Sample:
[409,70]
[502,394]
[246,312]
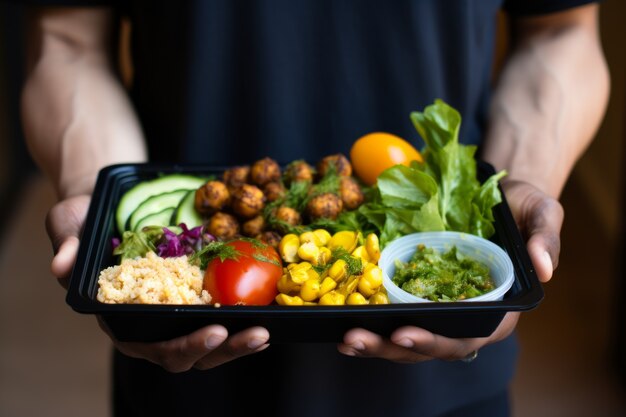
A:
[250,279]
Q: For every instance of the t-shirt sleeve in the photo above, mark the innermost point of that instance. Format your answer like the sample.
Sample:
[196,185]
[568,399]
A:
[537,7]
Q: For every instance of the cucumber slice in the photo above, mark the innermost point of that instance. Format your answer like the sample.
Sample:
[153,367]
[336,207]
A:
[155,204]
[186,211]
[136,195]
[162,218]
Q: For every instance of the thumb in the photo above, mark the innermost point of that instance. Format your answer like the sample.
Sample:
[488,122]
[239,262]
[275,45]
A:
[64,223]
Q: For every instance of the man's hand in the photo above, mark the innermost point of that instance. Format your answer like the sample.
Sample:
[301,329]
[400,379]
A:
[539,217]
[205,348]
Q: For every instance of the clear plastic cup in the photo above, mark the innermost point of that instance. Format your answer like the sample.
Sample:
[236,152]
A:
[477,248]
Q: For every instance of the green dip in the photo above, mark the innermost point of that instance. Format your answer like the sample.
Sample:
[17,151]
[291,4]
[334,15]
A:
[442,277]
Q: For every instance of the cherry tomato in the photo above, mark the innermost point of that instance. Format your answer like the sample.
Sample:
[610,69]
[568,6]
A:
[375,152]
[249,279]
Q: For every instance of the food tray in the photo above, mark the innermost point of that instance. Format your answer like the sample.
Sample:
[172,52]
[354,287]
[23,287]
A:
[286,324]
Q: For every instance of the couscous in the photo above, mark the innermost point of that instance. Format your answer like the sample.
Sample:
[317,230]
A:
[153,280]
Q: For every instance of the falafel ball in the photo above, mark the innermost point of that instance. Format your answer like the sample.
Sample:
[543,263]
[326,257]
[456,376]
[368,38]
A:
[247,201]
[288,215]
[299,171]
[263,171]
[236,176]
[273,191]
[254,226]
[211,197]
[350,192]
[270,237]
[325,205]
[341,163]
[223,226]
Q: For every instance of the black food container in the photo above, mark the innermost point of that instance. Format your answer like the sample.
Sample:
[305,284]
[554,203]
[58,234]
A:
[286,324]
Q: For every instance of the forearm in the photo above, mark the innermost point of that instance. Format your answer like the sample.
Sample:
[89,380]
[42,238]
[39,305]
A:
[548,104]
[76,115]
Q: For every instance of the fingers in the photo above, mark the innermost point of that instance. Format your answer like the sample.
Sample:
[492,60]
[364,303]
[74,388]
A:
[203,349]
[540,217]
[63,224]
[411,344]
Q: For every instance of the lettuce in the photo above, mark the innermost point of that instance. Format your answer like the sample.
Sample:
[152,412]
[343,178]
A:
[443,192]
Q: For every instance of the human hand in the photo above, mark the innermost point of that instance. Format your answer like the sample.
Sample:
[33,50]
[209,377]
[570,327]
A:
[203,349]
[63,224]
[539,217]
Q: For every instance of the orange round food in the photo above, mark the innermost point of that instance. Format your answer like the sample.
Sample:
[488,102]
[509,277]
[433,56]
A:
[373,153]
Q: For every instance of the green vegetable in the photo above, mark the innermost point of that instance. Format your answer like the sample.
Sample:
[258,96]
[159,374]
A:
[443,193]
[137,244]
[442,277]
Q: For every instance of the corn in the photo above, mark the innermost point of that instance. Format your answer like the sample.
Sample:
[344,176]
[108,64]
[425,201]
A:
[308,251]
[332,298]
[286,285]
[323,236]
[348,286]
[356,298]
[361,252]
[372,246]
[370,281]
[339,270]
[328,284]
[300,272]
[379,298]
[310,289]
[286,300]
[288,248]
[344,239]
[310,237]
[325,256]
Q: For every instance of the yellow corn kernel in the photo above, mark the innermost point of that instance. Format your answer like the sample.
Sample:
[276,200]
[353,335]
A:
[347,286]
[310,303]
[328,284]
[287,300]
[288,248]
[309,252]
[370,281]
[286,285]
[310,289]
[339,270]
[356,298]
[325,256]
[323,236]
[374,276]
[344,239]
[379,298]
[365,287]
[300,272]
[372,245]
[361,252]
[332,298]
[310,237]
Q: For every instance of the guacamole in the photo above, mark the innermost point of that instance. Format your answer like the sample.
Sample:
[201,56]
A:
[442,277]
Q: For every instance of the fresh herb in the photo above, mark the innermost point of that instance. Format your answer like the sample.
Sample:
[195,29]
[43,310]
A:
[256,243]
[211,251]
[263,258]
[137,244]
[354,265]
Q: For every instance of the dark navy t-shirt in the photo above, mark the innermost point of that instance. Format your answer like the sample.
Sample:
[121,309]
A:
[230,81]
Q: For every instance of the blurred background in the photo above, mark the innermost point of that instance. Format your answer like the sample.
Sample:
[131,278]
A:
[55,362]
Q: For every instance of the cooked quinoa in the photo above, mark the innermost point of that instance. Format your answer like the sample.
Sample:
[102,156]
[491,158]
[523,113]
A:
[152,280]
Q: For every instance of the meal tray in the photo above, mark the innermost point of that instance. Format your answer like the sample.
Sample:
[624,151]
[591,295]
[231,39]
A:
[286,324]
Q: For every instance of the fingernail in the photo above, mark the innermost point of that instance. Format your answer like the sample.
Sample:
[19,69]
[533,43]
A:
[407,343]
[548,261]
[256,343]
[213,341]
